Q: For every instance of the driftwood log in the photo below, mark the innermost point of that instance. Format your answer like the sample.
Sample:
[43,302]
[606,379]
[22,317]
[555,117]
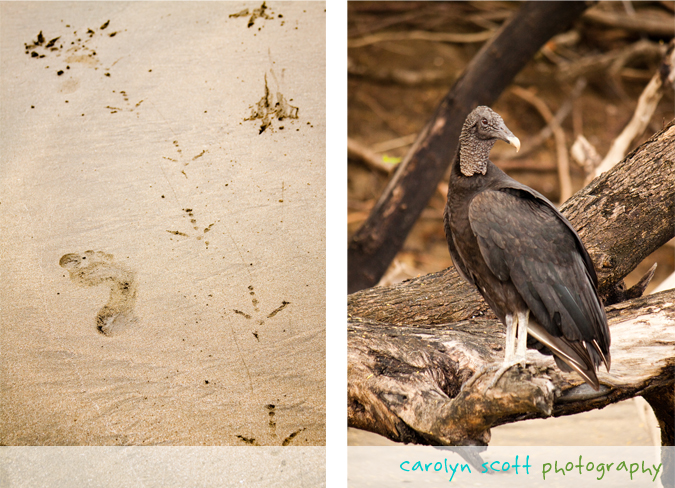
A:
[375,244]
[412,346]
[405,383]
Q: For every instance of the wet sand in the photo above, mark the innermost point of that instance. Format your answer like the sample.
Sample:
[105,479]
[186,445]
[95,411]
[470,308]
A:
[150,134]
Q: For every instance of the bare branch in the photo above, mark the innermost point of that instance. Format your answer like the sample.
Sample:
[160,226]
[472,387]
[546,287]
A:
[406,382]
[532,144]
[356,150]
[399,76]
[640,22]
[646,106]
[561,146]
[458,38]
[585,154]
[395,143]
[600,63]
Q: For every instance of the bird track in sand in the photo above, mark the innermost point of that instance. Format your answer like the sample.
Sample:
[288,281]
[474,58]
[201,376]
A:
[193,222]
[254,302]
[272,425]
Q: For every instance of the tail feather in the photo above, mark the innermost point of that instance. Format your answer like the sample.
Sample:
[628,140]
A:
[607,360]
[572,354]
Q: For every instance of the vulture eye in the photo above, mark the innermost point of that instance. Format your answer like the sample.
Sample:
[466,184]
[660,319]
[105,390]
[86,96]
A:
[484,122]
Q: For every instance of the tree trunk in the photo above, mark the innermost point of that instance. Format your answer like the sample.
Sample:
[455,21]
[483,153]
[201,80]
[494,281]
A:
[376,243]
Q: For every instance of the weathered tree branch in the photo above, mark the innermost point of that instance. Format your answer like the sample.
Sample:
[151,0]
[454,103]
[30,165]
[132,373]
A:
[533,143]
[460,38]
[357,150]
[560,142]
[375,244]
[646,106]
[635,23]
[406,382]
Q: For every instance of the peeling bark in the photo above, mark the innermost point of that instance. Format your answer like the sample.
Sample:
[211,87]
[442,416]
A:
[405,383]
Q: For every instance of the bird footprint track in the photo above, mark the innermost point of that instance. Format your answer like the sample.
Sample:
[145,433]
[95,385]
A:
[93,268]
[128,108]
[193,222]
[179,151]
[254,302]
[272,426]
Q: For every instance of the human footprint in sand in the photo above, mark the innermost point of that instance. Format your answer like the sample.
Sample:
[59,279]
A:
[92,268]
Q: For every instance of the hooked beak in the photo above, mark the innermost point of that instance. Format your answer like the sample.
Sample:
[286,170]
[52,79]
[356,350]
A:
[504,134]
[514,141]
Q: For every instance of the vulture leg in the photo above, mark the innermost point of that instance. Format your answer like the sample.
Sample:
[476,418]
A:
[522,336]
[510,349]
[513,355]
[514,352]
[509,353]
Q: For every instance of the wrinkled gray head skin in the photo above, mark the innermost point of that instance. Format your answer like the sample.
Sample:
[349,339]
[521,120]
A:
[482,128]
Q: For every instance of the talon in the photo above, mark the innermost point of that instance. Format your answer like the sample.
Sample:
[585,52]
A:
[503,369]
[478,373]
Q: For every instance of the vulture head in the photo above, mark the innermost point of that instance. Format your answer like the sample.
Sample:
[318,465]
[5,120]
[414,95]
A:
[482,128]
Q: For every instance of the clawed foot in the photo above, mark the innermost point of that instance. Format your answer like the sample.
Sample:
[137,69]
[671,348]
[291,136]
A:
[500,370]
[506,365]
[481,371]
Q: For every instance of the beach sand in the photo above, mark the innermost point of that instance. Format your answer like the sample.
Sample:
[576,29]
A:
[129,137]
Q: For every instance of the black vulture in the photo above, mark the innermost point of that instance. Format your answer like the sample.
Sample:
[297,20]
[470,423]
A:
[524,257]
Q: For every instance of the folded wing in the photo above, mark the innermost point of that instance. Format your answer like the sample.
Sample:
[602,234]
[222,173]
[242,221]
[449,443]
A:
[525,241]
